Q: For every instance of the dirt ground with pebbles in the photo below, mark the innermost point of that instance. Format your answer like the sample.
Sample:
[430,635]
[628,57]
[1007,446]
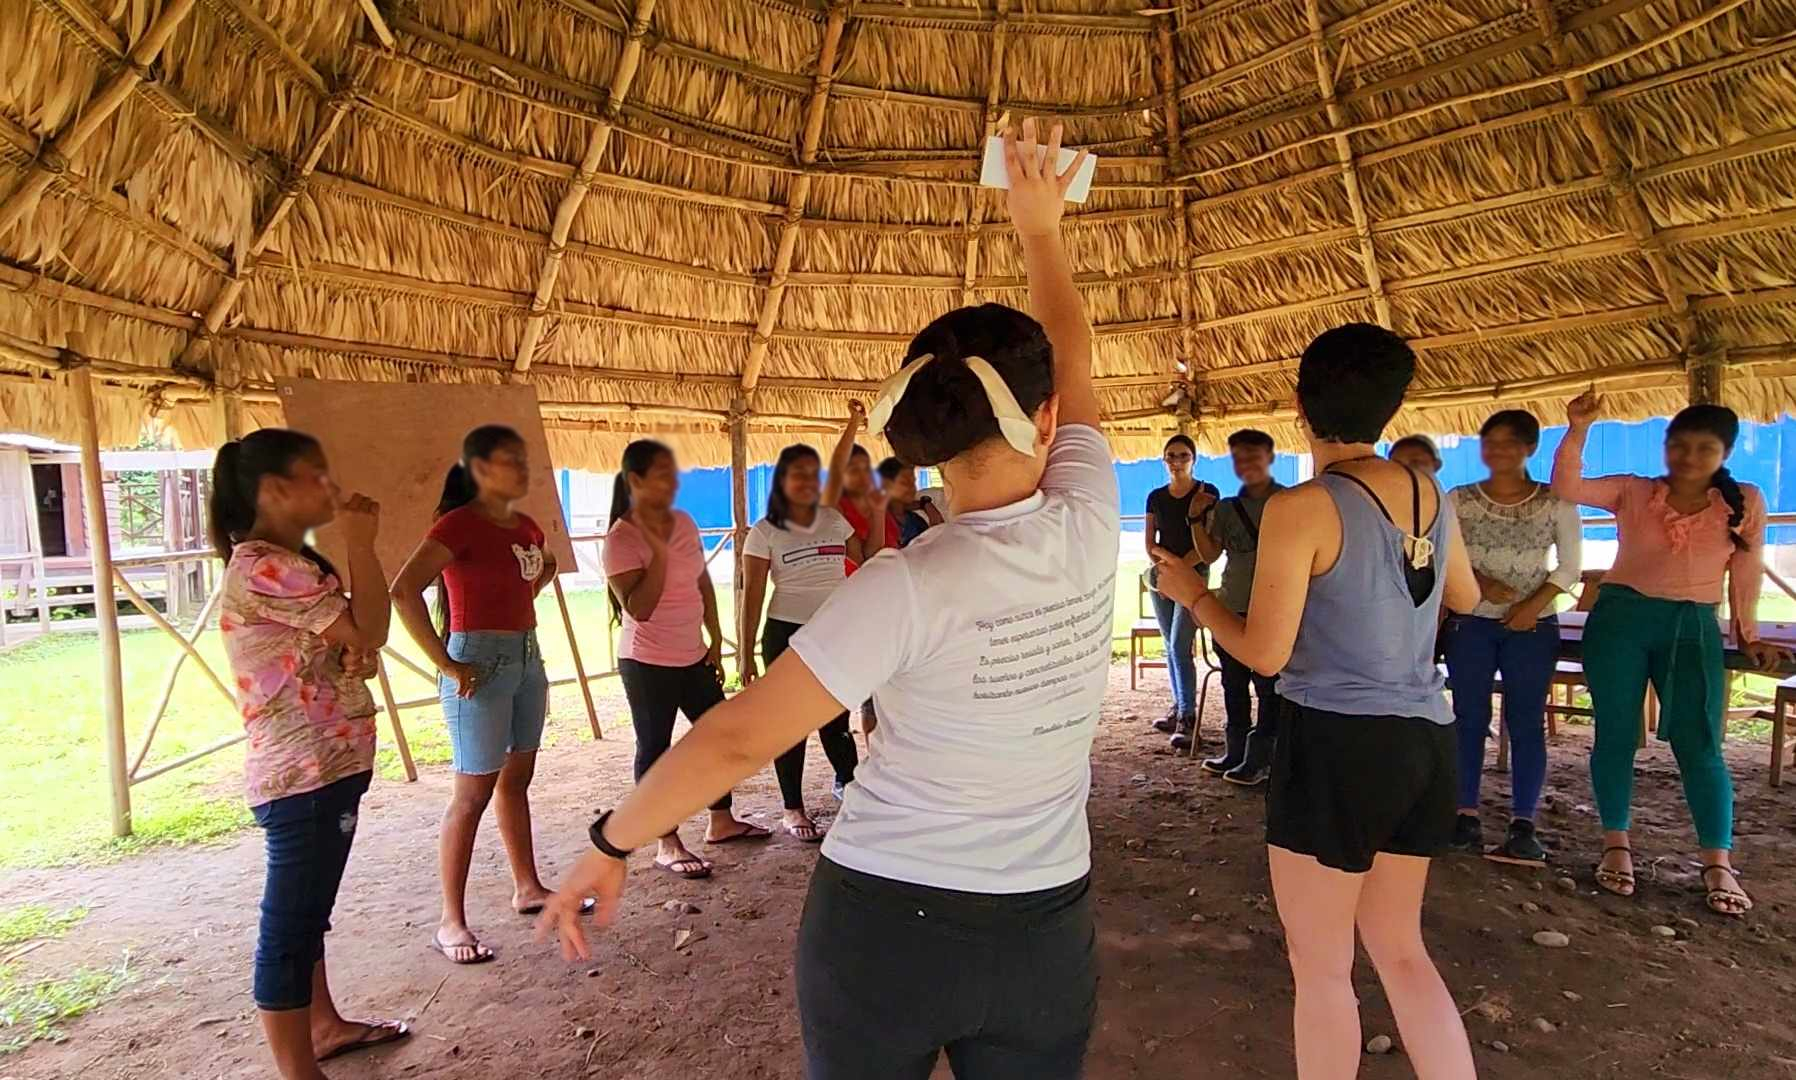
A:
[1194,977]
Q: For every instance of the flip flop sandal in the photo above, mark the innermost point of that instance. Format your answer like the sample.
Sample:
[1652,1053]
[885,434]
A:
[1734,905]
[703,871]
[752,832]
[482,954]
[815,837]
[586,907]
[1616,882]
[379,1033]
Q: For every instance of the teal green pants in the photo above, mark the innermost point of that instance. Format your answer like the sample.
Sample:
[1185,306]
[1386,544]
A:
[1630,639]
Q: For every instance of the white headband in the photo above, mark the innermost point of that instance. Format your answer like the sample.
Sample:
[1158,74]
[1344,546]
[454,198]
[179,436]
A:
[1013,423]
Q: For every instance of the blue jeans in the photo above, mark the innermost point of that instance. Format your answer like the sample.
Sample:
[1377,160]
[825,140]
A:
[308,839]
[1180,632]
[1477,651]
[510,702]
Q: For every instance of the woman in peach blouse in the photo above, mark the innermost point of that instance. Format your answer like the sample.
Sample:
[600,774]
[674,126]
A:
[1655,619]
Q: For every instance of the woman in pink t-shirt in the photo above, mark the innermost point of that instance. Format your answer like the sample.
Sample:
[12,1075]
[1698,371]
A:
[661,595]
[1679,537]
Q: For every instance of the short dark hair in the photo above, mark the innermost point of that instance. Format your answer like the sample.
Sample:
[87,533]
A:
[1421,442]
[1252,437]
[945,411]
[859,451]
[890,468]
[1521,423]
[1351,381]
[1180,440]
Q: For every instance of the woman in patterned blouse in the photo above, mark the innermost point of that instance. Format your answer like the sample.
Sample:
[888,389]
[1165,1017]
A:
[1512,523]
[300,653]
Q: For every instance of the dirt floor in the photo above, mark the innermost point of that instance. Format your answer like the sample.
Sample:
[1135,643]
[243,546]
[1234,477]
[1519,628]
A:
[1194,977]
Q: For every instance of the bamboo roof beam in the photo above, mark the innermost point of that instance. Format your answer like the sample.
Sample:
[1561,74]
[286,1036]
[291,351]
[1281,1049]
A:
[239,15]
[77,184]
[1343,148]
[1167,72]
[225,301]
[798,196]
[377,22]
[628,60]
[994,88]
[1477,56]
[1635,218]
[94,114]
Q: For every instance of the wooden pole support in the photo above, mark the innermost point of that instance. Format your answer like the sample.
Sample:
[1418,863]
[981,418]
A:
[739,496]
[112,676]
[573,644]
[168,680]
[399,741]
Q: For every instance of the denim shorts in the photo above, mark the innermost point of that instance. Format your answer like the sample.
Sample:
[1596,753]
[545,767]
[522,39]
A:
[510,701]
[309,836]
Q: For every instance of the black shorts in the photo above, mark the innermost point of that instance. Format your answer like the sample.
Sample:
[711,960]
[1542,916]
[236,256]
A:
[1345,788]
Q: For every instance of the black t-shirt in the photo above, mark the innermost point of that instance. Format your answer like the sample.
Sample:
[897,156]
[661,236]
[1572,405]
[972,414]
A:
[1172,516]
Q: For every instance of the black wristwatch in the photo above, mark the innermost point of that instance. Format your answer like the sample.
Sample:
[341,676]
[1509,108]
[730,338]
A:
[606,847]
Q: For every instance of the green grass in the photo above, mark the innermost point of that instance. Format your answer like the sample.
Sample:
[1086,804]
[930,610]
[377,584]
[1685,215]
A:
[53,786]
[33,1008]
[29,922]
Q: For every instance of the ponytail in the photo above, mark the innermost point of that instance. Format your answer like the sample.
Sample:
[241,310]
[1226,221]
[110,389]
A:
[1723,423]
[237,474]
[1724,482]
[639,457]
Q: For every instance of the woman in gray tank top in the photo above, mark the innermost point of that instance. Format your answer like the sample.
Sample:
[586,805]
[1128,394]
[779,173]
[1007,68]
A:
[1353,569]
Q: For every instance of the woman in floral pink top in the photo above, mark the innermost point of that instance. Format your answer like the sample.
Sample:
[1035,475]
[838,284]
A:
[300,652]
[1679,537]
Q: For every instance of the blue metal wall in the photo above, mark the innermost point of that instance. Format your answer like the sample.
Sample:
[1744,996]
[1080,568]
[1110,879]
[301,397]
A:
[1765,455]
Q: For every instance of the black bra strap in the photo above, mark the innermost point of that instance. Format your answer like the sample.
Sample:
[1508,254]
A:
[1415,499]
[1370,494]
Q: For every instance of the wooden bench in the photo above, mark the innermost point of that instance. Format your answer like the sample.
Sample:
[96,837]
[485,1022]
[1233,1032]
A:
[1779,715]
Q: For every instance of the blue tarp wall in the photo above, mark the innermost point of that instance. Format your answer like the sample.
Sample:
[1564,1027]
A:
[1765,455]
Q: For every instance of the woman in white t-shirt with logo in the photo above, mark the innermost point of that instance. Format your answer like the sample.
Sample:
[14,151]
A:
[951,908]
[803,546]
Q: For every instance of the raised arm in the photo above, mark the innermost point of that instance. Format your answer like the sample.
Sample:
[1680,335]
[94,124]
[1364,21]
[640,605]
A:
[1037,200]
[1569,481]
[838,458]
[367,622]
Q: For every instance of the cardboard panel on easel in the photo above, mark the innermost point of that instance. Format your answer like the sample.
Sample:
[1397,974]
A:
[395,441]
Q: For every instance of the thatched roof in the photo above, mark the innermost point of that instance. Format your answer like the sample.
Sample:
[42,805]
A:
[648,209]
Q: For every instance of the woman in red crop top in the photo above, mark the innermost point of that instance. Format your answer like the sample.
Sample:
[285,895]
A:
[489,562]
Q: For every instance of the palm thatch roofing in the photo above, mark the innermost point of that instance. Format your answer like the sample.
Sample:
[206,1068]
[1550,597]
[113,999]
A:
[657,212]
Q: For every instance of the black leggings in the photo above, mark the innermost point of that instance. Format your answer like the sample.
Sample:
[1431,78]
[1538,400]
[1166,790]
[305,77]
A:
[656,695]
[837,740]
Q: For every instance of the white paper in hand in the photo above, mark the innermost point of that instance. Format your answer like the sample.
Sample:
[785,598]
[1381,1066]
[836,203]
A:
[994,174]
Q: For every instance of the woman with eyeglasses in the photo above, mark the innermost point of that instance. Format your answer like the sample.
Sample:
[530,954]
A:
[1172,509]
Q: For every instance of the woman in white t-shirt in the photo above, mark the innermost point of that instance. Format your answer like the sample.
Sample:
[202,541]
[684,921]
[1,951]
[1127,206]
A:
[803,546]
[951,907]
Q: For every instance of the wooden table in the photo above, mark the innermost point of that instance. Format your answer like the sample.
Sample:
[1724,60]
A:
[1571,643]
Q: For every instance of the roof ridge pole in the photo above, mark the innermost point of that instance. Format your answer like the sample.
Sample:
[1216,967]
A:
[1343,144]
[628,62]
[994,90]
[1637,222]
[92,115]
[797,196]
[337,108]
[1168,71]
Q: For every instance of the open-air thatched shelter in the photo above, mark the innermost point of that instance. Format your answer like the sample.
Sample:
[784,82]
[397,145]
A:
[672,216]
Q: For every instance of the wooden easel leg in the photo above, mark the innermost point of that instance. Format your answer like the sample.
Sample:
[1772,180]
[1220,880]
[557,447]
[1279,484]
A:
[405,748]
[573,644]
